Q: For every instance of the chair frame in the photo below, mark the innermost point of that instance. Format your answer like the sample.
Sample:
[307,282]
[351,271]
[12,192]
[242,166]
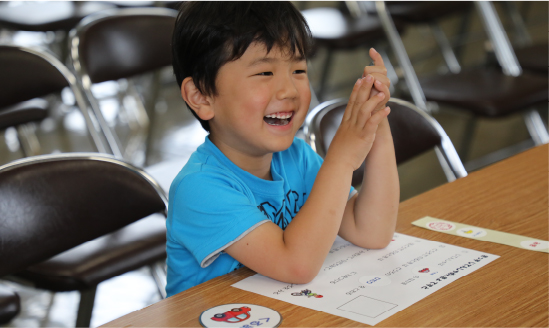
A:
[84,80]
[94,132]
[447,155]
[87,297]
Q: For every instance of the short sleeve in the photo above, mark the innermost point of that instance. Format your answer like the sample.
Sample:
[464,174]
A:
[210,212]
[311,163]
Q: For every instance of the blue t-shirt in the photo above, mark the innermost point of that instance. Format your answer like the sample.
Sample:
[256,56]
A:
[214,203]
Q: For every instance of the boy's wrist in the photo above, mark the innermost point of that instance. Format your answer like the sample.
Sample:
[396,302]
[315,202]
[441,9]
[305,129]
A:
[337,164]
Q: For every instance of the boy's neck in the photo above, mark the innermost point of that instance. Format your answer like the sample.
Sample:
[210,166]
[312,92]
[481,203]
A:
[260,166]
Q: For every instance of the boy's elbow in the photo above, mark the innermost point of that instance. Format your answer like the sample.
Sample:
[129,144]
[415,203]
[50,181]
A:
[302,273]
[380,244]
[377,242]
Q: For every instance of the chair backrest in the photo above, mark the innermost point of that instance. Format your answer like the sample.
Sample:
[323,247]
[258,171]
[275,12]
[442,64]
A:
[27,73]
[414,132]
[51,203]
[121,43]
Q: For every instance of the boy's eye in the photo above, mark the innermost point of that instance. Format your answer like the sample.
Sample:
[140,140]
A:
[265,73]
[300,71]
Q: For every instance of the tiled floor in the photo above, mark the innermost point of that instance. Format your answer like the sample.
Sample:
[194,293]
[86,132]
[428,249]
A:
[176,134]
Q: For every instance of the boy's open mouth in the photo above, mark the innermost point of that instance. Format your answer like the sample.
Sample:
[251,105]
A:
[282,118]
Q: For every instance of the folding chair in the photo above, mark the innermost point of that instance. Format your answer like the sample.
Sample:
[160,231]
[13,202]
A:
[121,44]
[28,73]
[70,221]
[414,132]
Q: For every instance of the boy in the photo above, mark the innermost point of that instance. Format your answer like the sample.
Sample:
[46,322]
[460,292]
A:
[253,194]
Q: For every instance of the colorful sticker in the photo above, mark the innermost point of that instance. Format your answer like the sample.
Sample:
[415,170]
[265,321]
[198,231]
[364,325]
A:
[534,244]
[308,293]
[471,232]
[441,226]
[233,315]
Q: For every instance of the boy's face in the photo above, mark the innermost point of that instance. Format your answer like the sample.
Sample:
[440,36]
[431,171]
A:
[261,102]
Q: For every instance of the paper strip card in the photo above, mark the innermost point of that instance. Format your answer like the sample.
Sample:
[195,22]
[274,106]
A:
[369,286]
[469,231]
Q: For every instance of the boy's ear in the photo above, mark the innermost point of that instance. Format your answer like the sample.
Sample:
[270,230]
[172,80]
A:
[198,102]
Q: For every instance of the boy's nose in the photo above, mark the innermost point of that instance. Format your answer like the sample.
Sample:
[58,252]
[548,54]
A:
[287,89]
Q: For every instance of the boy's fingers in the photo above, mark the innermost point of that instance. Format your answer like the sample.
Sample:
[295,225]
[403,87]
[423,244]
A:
[382,78]
[381,87]
[366,110]
[376,57]
[375,119]
[352,100]
[381,84]
[375,70]
[362,96]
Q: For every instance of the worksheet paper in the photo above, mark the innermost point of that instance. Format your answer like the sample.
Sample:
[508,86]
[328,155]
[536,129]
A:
[369,286]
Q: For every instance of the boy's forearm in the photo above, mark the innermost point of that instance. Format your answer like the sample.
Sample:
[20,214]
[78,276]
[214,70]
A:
[312,231]
[376,206]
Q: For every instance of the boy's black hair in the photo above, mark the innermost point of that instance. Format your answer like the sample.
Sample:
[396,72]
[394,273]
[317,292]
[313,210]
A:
[208,35]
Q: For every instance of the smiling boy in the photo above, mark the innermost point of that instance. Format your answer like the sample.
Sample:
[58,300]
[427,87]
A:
[253,194]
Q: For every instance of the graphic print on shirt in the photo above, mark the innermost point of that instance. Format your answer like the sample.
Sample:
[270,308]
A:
[287,211]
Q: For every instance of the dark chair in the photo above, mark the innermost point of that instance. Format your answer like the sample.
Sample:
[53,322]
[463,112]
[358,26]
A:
[28,73]
[334,30]
[414,132]
[483,92]
[10,304]
[70,221]
[122,44]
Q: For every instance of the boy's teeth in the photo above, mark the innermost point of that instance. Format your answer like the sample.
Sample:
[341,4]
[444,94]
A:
[279,115]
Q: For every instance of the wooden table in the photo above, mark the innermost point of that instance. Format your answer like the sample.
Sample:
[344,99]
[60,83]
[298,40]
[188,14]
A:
[509,196]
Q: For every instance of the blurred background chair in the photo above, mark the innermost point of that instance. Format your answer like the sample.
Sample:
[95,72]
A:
[414,132]
[10,304]
[484,92]
[71,221]
[118,45]
[26,74]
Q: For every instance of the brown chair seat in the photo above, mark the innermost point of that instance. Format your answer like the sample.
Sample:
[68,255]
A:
[10,304]
[486,92]
[84,266]
[534,58]
[48,16]
[28,111]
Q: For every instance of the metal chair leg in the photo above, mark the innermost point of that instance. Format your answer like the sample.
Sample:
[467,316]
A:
[151,107]
[30,145]
[536,127]
[446,48]
[85,308]
[467,139]
[45,319]
[159,275]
